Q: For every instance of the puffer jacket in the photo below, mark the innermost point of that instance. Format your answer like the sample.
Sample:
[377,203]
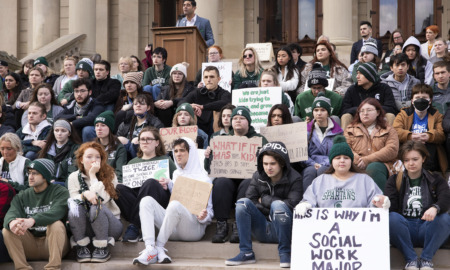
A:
[289,189]
[318,151]
[343,79]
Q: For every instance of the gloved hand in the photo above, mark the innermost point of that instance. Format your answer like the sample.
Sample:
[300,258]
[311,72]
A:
[302,207]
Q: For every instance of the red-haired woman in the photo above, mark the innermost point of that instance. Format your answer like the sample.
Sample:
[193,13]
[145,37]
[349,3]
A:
[427,48]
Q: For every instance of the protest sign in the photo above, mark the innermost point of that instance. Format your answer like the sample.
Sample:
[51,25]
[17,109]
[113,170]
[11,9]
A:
[329,87]
[341,238]
[192,194]
[225,70]
[294,136]
[168,135]
[264,50]
[234,156]
[259,101]
[134,175]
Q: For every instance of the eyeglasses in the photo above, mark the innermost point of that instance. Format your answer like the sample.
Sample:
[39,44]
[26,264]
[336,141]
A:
[80,91]
[146,140]
[248,56]
[399,37]
[366,111]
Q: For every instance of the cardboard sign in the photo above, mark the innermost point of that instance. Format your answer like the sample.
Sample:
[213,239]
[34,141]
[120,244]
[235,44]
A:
[192,194]
[134,175]
[341,238]
[225,70]
[329,87]
[264,50]
[234,156]
[294,136]
[168,135]
[259,100]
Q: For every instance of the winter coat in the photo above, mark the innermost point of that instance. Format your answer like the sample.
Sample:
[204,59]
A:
[165,94]
[93,110]
[289,189]
[424,51]
[423,72]
[441,98]
[381,146]
[318,151]
[341,75]
[124,128]
[66,166]
[304,101]
[106,91]
[402,97]
[27,136]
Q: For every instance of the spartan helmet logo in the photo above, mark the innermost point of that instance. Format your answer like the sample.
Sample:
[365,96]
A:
[239,112]
[318,104]
[32,165]
[81,66]
[363,48]
[183,107]
[314,81]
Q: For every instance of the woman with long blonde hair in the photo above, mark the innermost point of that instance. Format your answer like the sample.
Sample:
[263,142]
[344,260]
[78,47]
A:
[249,70]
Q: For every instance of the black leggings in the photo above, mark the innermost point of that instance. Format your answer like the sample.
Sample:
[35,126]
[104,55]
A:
[225,194]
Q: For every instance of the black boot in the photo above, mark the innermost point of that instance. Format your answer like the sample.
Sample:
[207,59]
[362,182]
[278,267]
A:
[101,254]
[83,254]
[234,233]
[221,235]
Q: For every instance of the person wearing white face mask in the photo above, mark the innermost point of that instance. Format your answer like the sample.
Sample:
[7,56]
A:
[423,123]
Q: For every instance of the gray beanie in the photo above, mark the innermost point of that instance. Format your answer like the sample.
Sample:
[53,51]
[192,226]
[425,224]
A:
[370,46]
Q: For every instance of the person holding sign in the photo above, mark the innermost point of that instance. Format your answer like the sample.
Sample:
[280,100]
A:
[418,214]
[151,148]
[175,222]
[288,74]
[373,141]
[342,185]
[184,116]
[266,210]
[321,132]
[215,54]
[269,78]
[249,70]
[92,210]
[171,94]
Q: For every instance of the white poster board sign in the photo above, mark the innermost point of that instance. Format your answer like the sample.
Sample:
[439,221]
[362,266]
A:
[225,70]
[294,136]
[341,238]
[264,50]
[329,87]
[259,100]
[134,175]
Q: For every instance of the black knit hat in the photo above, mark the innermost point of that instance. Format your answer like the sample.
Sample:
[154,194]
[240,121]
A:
[340,147]
[317,75]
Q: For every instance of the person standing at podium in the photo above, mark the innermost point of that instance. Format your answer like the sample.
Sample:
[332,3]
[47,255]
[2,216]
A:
[189,18]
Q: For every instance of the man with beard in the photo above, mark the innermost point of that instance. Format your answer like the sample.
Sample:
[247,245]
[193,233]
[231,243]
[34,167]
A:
[82,111]
[365,29]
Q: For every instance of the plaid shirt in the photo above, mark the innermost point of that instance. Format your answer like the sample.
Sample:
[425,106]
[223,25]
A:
[7,193]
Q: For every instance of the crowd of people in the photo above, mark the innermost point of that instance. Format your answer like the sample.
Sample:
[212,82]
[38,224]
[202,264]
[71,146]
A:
[379,130]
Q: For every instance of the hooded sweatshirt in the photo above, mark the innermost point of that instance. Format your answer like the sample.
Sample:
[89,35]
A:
[423,72]
[262,191]
[194,170]
[401,90]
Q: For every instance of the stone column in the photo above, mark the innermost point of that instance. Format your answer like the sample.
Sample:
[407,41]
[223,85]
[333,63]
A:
[337,21]
[45,22]
[233,28]
[128,28]
[82,19]
[102,29]
[209,9]
[9,20]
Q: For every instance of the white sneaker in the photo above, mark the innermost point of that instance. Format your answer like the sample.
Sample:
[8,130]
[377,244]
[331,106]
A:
[162,257]
[147,256]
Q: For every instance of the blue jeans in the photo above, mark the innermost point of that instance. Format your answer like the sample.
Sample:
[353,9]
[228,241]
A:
[406,233]
[88,133]
[31,155]
[250,221]
[132,149]
[154,90]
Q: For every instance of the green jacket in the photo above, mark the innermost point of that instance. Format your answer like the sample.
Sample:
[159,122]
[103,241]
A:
[67,166]
[151,78]
[117,159]
[172,166]
[45,207]
[304,101]
[66,92]
[251,78]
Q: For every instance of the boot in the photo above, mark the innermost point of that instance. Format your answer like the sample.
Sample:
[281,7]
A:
[234,233]
[221,235]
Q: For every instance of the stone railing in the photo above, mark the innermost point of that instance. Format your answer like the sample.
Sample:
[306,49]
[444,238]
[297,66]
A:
[56,50]
[13,63]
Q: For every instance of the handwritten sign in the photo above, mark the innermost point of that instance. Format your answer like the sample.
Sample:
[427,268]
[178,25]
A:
[225,71]
[264,50]
[259,100]
[294,136]
[134,175]
[169,135]
[192,194]
[341,238]
[234,156]
[329,87]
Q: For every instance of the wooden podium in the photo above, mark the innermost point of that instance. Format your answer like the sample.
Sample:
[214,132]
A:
[183,44]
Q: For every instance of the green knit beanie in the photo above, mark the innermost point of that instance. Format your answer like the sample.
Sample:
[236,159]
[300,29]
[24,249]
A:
[322,102]
[84,65]
[244,111]
[106,118]
[369,70]
[44,166]
[340,147]
[186,107]
[40,60]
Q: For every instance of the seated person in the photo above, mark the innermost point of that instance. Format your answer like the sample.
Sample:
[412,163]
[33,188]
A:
[184,116]
[373,141]
[368,85]
[441,87]
[387,58]
[33,134]
[270,79]
[400,82]
[157,75]
[132,88]
[420,67]
[259,212]
[317,81]
[297,52]
[82,111]
[288,74]
[105,90]
[423,123]
[85,69]
[224,122]
[175,222]
[34,227]
[419,204]
[4,128]
[249,70]
[368,54]
[321,132]
[279,115]
[208,99]
[13,166]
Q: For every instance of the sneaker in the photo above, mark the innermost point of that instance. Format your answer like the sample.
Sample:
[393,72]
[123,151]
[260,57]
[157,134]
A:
[241,258]
[83,254]
[162,256]
[412,265]
[234,233]
[426,265]
[285,260]
[131,234]
[101,254]
[146,257]
[221,235]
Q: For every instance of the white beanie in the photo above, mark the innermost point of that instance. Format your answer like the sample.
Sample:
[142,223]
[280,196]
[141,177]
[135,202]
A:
[180,67]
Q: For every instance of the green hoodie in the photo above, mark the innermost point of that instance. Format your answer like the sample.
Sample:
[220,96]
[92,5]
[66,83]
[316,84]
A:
[151,78]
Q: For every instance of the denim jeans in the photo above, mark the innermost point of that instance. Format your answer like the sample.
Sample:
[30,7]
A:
[154,90]
[88,133]
[250,221]
[407,233]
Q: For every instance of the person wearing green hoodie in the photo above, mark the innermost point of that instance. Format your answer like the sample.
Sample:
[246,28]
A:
[33,226]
